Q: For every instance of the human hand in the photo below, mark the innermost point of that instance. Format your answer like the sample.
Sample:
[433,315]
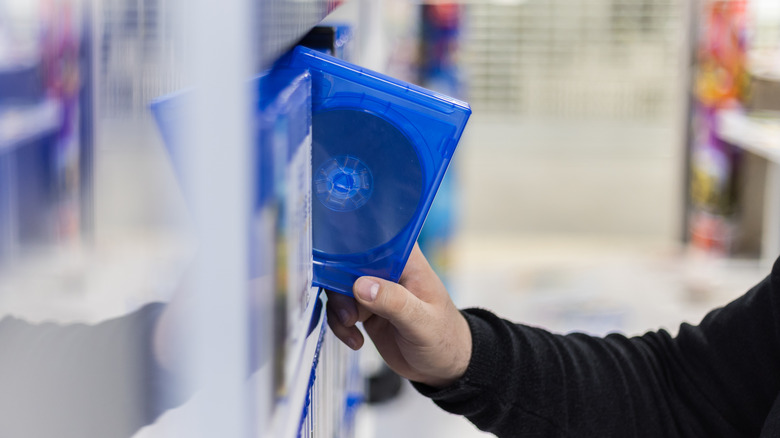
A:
[414,324]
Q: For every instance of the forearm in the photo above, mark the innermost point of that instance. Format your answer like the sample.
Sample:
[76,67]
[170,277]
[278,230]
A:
[524,381]
[715,379]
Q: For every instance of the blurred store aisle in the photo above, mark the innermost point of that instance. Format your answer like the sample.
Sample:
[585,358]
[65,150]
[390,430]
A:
[531,176]
[597,284]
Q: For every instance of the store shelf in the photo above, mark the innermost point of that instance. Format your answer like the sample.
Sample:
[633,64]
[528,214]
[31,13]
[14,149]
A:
[304,361]
[281,23]
[21,123]
[760,136]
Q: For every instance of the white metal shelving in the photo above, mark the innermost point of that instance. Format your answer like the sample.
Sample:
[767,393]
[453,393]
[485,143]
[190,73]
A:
[563,58]
[759,136]
[21,123]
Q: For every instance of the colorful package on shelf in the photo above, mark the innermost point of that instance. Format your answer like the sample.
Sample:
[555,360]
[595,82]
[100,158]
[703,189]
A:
[722,75]
[282,219]
[294,237]
[280,259]
[712,186]
[62,75]
[8,234]
[721,81]
[441,28]
[334,393]
[43,154]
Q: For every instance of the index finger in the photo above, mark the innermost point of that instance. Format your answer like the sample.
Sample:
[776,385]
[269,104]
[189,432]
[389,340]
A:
[346,309]
[420,279]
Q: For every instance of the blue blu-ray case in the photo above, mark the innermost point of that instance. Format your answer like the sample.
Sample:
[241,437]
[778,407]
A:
[380,150]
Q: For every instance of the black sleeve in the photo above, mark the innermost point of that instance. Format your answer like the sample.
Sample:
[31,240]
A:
[716,379]
[80,380]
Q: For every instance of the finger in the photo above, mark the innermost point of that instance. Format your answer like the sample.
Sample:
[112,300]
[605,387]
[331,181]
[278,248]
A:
[383,337]
[393,302]
[416,263]
[351,336]
[344,308]
[364,313]
[420,278]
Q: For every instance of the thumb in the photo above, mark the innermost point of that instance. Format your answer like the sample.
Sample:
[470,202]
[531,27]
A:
[389,300]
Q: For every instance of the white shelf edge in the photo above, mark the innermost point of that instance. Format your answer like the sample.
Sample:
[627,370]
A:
[761,137]
[289,410]
[22,123]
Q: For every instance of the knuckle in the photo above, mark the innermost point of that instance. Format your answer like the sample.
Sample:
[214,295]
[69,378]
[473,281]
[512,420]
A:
[386,298]
[417,313]
[394,300]
[396,303]
[411,309]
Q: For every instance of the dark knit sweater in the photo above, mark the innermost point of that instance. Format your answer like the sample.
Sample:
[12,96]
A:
[718,379]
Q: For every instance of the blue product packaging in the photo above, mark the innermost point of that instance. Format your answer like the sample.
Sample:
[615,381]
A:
[380,148]
[282,166]
[169,114]
[280,253]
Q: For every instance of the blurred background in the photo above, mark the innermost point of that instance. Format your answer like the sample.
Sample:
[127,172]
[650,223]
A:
[620,172]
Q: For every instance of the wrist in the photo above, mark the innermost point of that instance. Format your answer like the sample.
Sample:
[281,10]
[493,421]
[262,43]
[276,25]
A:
[460,347]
